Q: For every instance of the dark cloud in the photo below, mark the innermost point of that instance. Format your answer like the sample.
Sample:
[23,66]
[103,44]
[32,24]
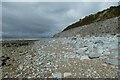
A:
[37,19]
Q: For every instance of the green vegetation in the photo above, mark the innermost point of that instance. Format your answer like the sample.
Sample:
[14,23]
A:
[111,12]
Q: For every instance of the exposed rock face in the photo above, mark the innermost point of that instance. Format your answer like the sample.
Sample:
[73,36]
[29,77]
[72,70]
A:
[101,28]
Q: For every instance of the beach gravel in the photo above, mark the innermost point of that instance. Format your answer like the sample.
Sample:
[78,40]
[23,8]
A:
[62,57]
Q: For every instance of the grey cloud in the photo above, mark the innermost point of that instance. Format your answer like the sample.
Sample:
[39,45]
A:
[37,19]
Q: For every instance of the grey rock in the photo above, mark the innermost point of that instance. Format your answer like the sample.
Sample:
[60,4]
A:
[57,75]
[112,61]
[20,66]
[67,74]
[114,53]
[106,52]
[84,57]
[99,42]
[0,63]
[81,50]
[94,55]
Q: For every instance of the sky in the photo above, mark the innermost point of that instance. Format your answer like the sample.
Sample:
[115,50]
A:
[44,19]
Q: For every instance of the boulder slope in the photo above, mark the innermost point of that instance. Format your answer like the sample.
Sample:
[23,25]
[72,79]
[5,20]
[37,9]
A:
[100,28]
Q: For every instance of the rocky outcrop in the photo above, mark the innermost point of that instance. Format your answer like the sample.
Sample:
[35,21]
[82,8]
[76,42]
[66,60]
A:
[101,28]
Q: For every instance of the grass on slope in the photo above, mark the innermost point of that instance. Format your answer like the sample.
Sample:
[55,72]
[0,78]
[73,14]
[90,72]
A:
[111,12]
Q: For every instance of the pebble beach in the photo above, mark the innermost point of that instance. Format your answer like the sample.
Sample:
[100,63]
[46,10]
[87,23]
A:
[68,57]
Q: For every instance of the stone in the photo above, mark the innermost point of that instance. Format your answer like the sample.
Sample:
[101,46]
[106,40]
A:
[94,55]
[84,57]
[74,38]
[50,77]
[20,66]
[67,74]
[114,53]
[104,65]
[87,52]
[112,61]
[81,50]
[99,42]
[57,75]
[106,52]
[100,50]
[0,63]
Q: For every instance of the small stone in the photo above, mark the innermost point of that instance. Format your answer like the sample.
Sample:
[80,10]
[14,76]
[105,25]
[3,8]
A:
[84,57]
[0,63]
[99,42]
[21,53]
[50,70]
[95,72]
[57,75]
[50,77]
[28,77]
[20,66]
[104,65]
[67,74]
[88,75]
[89,70]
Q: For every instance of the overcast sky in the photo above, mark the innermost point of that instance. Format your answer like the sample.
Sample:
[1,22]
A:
[37,19]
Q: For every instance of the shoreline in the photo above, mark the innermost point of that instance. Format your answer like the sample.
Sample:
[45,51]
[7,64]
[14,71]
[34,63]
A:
[61,57]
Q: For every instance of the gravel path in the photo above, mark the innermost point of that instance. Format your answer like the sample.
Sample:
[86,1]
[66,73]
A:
[62,58]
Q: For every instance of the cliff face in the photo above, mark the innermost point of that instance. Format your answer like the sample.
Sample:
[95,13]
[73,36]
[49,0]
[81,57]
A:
[101,23]
[111,12]
[100,28]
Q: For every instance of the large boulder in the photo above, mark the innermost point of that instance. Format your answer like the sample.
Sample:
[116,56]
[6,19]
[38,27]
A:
[81,51]
[94,55]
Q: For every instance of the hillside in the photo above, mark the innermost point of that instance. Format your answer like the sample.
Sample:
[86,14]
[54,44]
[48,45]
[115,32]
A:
[99,16]
[100,28]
